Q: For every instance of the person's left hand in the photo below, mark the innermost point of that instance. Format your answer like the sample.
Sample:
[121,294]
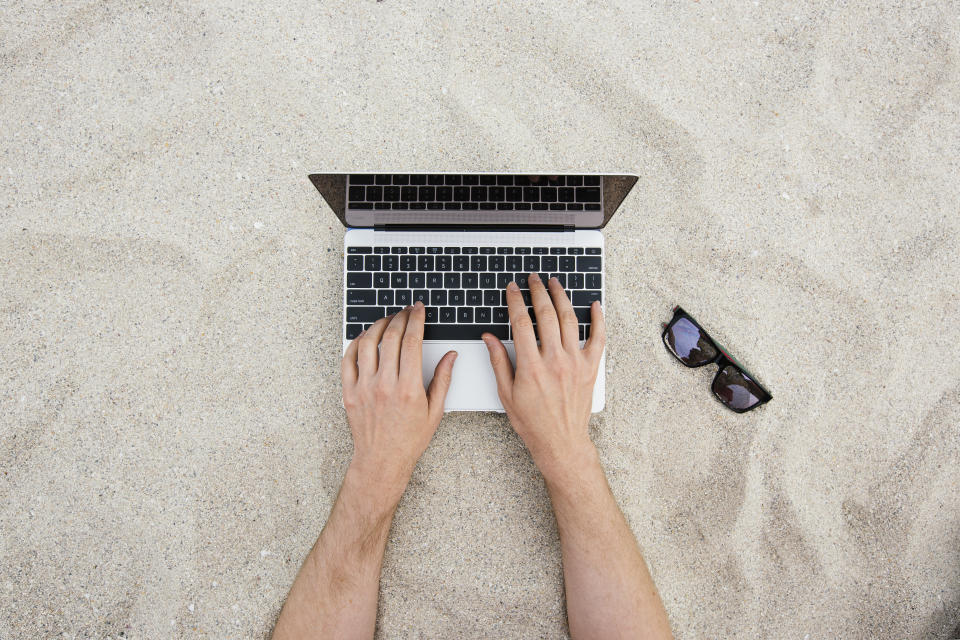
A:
[391,415]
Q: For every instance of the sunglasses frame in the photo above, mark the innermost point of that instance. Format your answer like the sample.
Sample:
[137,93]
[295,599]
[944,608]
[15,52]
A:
[722,360]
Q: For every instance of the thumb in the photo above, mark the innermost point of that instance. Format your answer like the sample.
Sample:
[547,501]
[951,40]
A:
[437,391]
[502,367]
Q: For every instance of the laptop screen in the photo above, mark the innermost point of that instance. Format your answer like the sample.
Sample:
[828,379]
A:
[582,201]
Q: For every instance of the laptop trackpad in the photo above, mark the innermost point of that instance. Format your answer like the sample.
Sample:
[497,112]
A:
[473,387]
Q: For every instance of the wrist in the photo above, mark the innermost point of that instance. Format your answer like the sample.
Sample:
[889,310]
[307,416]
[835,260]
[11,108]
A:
[560,466]
[380,486]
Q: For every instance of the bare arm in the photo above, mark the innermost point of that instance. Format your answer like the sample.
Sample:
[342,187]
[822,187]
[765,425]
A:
[392,419]
[609,591]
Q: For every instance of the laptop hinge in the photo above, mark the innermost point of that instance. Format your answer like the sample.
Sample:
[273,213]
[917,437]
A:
[554,228]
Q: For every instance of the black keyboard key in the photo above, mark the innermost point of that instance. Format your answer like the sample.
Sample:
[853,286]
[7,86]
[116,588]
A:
[491,297]
[434,250]
[469,250]
[361,178]
[488,206]
[503,279]
[558,206]
[591,181]
[561,278]
[461,263]
[557,251]
[393,310]
[357,193]
[575,281]
[488,250]
[488,281]
[430,314]
[474,297]
[531,194]
[465,315]
[359,280]
[523,251]
[398,250]
[568,263]
[382,179]
[505,181]
[478,193]
[385,297]
[456,297]
[408,263]
[471,179]
[372,263]
[354,263]
[418,178]
[585,298]
[501,315]
[548,263]
[435,179]
[588,263]
[521,280]
[583,314]
[462,331]
[353,330]
[574,206]
[361,297]
[488,180]
[588,194]
[482,315]
[418,280]
[435,206]
[591,206]
[539,206]
[451,205]
[461,194]
[401,179]
[470,280]
[443,263]
[515,194]
[382,205]
[427,193]
[398,281]
[565,194]
[364,314]
[418,205]
[452,179]
[381,250]
[381,280]
[504,250]
[421,295]
[447,314]
[496,194]
[408,194]
[495,263]
[451,280]
[451,249]
[400,205]
[539,251]
[374,194]
[593,281]
[514,263]
[504,206]
[575,251]
[361,205]
[435,281]
[478,263]
[391,194]
[531,263]
[438,297]
[593,251]
[472,206]
[403,297]
[425,263]
[444,194]
[417,250]
[548,194]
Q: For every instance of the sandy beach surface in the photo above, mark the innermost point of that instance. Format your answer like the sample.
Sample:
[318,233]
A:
[171,430]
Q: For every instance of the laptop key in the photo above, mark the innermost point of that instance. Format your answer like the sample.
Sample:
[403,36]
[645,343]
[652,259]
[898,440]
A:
[561,278]
[391,263]
[481,315]
[403,297]
[521,280]
[501,315]
[456,297]
[372,263]
[394,310]
[425,263]
[488,250]
[451,280]
[593,251]
[438,297]
[398,281]
[470,280]
[354,263]
[361,178]
[474,298]
[531,263]
[408,263]
[463,331]
[421,295]
[575,251]
[443,263]
[381,280]
[461,263]
[568,263]
[361,297]
[478,263]
[435,281]
[385,297]
[588,264]
[495,263]
[353,330]
[514,263]
[583,314]
[585,298]
[548,263]
[359,280]
[575,281]
[488,280]
[431,314]
[491,297]
[503,279]
[447,314]
[418,280]
[593,281]
[465,315]
[461,194]
[364,314]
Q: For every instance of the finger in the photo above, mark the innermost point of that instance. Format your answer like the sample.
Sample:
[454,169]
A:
[368,358]
[502,367]
[411,352]
[547,325]
[523,339]
[437,391]
[569,333]
[390,344]
[348,365]
[598,333]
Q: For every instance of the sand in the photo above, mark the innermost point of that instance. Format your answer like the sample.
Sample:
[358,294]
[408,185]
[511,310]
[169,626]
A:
[171,432]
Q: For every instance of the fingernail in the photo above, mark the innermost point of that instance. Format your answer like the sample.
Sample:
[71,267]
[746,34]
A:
[535,277]
[418,304]
[513,286]
[554,279]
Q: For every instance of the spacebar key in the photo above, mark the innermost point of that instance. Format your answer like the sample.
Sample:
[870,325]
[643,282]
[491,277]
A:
[463,331]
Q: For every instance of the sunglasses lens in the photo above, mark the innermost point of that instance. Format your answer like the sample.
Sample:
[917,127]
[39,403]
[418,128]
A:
[688,343]
[736,390]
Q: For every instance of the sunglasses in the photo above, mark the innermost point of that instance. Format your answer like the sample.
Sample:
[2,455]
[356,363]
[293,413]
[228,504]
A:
[733,385]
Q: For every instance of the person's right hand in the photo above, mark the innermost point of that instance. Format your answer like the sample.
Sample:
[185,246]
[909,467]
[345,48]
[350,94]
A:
[548,396]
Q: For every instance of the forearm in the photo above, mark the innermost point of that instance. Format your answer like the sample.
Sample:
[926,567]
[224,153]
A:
[609,591]
[335,593]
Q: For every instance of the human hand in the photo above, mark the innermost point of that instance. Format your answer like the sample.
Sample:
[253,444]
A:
[392,417]
[548,396]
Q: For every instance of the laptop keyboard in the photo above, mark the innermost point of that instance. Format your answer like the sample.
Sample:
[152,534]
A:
[472,192]
[463,288]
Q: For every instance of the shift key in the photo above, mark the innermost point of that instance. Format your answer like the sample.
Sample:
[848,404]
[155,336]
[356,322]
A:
[361,297]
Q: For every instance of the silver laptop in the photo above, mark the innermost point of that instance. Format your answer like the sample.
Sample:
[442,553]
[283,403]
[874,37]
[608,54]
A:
[454,241]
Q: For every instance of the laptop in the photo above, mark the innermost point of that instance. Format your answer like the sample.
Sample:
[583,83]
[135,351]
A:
[454,241]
